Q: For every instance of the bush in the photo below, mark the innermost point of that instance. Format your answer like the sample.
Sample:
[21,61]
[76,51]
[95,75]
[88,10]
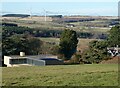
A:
[75,59]
[96,53]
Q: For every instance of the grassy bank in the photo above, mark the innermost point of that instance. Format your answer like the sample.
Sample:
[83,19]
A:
[64,75]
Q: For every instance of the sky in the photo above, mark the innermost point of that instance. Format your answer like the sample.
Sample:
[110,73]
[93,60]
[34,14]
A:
[91,7]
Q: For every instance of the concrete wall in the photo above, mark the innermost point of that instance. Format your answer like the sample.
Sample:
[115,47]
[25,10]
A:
[7,61]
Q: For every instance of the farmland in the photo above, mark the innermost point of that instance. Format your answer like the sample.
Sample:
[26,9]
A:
[82,44]
[62,75]
[99,25]
[97,28]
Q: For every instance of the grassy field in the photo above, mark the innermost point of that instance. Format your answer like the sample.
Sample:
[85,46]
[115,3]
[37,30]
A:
[82,44]
[64,75]
[51,40]
[57,40]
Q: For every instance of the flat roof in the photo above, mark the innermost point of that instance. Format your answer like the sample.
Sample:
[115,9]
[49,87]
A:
[32,56]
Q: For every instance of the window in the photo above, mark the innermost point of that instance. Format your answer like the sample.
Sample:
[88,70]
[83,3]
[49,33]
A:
[18,61]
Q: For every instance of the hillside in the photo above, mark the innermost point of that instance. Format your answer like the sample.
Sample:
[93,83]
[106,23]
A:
[64,75]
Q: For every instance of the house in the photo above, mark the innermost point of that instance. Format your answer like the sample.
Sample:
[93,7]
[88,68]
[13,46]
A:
[114,51]
[31,60]
[70,25]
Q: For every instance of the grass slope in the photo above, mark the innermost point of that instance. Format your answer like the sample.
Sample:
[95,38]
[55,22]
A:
[64,75]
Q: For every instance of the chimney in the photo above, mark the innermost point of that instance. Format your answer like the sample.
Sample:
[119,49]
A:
[22,54]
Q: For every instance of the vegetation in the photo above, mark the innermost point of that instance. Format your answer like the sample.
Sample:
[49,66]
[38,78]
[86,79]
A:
[9,29]
[67,75]
[9,24]
[114,36]
[98,49]
[68,43]
[96,53]
[20,42]
[15,15]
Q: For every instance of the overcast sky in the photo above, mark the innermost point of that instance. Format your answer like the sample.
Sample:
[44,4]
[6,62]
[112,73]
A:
[78,7]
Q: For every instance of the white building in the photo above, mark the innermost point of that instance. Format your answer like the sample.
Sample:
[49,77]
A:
[31,60]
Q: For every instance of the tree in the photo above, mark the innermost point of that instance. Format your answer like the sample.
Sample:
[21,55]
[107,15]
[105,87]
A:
[20,42]
[96,53]
[68,43]
[114,36]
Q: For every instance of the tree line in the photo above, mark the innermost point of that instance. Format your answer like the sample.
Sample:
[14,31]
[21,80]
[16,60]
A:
[11,29]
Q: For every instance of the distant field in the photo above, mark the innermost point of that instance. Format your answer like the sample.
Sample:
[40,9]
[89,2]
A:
[56,40]
[83,43]
[38,22]
[64,75]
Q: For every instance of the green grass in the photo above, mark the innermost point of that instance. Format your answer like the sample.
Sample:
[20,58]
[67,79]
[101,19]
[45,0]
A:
[64,75]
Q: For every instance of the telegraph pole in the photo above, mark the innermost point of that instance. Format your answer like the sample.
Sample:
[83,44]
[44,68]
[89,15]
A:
[45,15]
